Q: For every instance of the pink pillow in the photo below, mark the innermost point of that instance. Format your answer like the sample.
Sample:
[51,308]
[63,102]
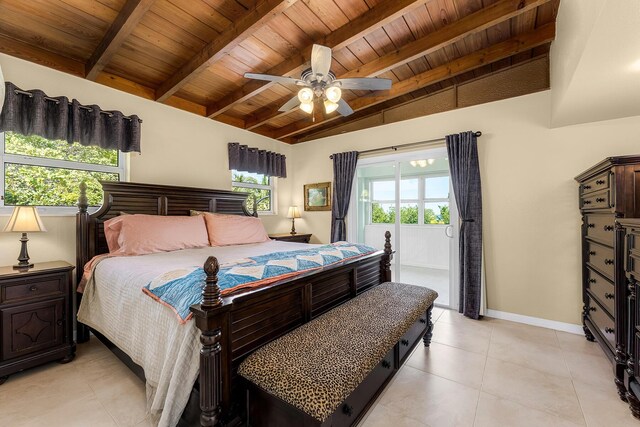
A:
[146,234]
[234,229]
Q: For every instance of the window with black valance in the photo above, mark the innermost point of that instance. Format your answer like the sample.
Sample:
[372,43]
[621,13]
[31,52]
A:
[249,159]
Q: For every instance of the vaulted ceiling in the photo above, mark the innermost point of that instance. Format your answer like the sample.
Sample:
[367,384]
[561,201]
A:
[192,54]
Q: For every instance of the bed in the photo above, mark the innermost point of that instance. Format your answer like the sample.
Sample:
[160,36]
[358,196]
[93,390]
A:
[206,352]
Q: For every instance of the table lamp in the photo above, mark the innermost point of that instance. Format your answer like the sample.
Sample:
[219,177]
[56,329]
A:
[24,219]
[293,213]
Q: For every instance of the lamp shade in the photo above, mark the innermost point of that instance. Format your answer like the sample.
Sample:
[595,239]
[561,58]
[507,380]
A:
[25,219]
[294,212]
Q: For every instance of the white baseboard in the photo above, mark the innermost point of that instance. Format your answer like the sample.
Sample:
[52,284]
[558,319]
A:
[536,321]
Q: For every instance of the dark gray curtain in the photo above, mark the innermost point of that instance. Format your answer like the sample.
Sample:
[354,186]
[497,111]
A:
[465,178]
[34,113]
[248,159]
[344,168]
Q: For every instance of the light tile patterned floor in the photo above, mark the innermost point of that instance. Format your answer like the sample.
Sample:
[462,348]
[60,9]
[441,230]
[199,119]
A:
[490,373]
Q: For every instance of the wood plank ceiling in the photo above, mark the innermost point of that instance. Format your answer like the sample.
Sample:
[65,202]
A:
[192,54]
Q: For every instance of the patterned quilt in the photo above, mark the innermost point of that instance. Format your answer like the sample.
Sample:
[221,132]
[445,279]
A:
[179,289]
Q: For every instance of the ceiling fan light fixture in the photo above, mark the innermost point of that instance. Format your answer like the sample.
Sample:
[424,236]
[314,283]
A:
[330,106]
[305,95]
[307,107]
[333,94]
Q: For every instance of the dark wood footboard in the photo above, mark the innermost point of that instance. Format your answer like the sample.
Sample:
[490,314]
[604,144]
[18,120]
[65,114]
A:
[232,328]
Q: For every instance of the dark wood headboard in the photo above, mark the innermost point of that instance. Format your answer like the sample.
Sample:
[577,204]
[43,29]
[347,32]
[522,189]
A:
[135,198]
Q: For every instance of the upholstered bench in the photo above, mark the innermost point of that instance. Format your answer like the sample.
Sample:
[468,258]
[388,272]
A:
[328,371]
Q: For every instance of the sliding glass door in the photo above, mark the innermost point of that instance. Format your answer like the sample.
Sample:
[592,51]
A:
[410,195]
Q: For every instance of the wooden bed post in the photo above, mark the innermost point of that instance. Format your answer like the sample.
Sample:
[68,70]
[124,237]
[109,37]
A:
[209,319]
[387,257]
[82,242]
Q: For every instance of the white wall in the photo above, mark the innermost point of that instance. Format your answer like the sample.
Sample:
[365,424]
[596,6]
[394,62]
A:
[178,148]
[530,201]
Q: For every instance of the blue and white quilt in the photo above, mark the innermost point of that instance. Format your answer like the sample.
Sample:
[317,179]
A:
[179,289]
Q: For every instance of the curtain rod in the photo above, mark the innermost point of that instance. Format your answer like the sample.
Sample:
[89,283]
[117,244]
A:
[57,101]
[411,144]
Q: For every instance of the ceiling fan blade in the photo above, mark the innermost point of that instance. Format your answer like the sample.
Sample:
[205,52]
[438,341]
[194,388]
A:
[290,104]
[363,83]
[343,108]
[276,79]
[321,61]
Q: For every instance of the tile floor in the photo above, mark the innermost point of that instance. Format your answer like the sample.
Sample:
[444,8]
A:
[487,373]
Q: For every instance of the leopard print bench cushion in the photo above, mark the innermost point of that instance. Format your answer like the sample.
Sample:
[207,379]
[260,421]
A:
[316,366]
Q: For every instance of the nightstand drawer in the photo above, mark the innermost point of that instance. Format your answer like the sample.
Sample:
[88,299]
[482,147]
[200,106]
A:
[32,327]
[33,287]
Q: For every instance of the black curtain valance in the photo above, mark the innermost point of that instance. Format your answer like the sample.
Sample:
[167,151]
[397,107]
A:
[248,159]
[34,113]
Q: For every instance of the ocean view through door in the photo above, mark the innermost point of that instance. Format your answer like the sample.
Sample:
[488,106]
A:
[410,195]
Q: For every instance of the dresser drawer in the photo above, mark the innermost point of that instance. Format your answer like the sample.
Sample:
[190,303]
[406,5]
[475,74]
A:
[602,289]
[600,227]
[32,327]
[601,258]
[32,287]
[599,182]
[598,200]
[603,322]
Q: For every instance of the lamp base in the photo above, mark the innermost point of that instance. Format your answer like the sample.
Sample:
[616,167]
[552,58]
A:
[293,227]
[24,263]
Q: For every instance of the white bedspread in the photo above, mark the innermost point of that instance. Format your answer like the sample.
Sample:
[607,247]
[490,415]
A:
[114,304]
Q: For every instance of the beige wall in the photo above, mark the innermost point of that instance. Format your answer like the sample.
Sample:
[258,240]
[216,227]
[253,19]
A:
[531,218]
[178,148]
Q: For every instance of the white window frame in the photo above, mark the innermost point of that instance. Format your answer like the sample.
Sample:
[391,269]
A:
[271,187]
[420,201]
[22,159]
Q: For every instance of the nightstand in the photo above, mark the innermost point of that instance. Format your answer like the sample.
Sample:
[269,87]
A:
[288,237]
[36,312]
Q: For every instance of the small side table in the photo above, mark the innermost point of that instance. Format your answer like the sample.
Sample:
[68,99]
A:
[288,237]
[36,308]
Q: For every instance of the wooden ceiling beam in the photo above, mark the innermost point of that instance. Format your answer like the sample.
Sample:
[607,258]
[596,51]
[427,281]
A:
[40,56]
[237,32]
[376,17]
[124,24]
[491,54]
[432,42]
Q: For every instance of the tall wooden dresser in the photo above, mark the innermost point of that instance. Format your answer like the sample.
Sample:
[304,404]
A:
[608,191]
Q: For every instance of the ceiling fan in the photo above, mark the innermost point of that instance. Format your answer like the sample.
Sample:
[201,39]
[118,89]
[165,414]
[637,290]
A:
[321,83]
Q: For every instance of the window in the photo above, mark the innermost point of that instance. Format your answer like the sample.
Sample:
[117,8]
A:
[436,200]
[423,200]
[41,172]
[260,187]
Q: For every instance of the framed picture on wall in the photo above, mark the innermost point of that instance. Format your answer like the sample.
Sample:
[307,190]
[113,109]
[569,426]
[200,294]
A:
[317,197]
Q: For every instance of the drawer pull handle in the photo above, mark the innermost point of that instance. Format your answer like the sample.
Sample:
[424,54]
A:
[59,322]
[609,330]
[608,228]
[347,410]
[599,199]
[592,253]
[423,320]
[591,225]
[587,187]
[592,280]
[33,288]
[608,262]
[609,295]
[386,364]
[587,202]
[600,181]
[404,342]
[592,309]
